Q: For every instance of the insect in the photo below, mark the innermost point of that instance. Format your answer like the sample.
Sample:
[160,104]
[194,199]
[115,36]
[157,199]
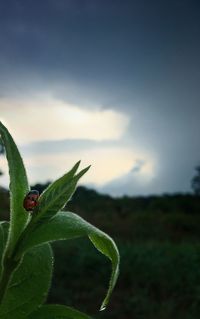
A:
[31,200]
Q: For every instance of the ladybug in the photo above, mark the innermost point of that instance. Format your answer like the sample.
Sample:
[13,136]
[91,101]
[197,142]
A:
[31,200]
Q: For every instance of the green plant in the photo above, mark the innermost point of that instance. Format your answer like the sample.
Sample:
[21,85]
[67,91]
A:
[25,252]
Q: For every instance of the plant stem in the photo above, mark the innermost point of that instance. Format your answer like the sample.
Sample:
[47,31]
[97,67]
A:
[10,263]
[8,269]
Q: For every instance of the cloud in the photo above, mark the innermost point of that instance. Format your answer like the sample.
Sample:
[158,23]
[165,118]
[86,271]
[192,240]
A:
[106,164]
[166,173]
[129,84]
[135,181]
[46,118]
[110,160]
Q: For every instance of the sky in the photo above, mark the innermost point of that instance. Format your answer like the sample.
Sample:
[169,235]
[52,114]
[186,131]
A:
[114,83]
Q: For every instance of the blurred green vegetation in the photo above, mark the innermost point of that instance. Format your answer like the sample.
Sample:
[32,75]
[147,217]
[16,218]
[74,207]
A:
[157,280]
[159,242]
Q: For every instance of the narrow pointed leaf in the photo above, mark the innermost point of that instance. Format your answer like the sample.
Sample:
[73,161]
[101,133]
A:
[107,247]
[81,173]
[57,195]
[66,225]
[18,186]
[30,284]
[57,312]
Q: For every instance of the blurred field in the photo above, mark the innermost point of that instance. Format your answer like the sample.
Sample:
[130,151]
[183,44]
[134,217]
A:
[159,243]
[156,280]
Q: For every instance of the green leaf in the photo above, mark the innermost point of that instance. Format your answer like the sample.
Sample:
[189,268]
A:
[1,247]
[3,239]
[57,195]
[66,225]
[109,249]
[29,285]
[18,187]
[57,312]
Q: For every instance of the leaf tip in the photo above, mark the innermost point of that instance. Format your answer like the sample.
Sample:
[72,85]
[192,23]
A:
[75,168]
[87,168]
[81,173]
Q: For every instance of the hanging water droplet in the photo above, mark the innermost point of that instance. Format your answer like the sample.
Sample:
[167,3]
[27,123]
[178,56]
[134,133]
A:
[103,307]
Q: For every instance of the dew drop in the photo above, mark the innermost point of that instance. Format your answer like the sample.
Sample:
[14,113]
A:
[103,307]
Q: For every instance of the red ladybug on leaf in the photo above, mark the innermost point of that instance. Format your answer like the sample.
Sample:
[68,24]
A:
[31,200]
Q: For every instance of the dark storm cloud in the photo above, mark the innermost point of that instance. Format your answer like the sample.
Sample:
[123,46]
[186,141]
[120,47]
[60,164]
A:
[118,52]
[141,57]
[133,42]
